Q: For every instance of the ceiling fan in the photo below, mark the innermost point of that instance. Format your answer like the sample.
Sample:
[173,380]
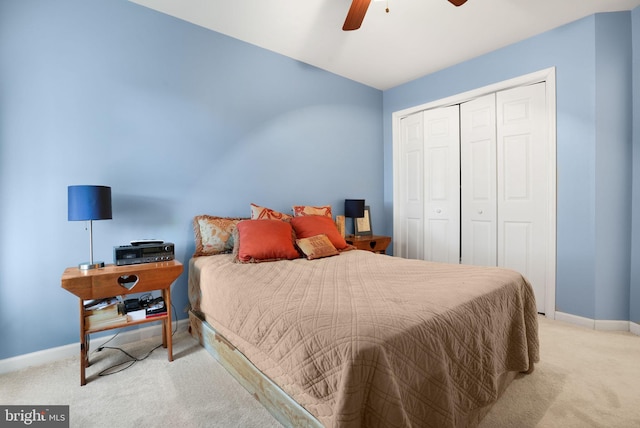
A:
[359,8]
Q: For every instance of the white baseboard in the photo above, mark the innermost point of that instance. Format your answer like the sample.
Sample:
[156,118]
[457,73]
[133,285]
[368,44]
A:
[73,350]
[574,319]
[601,325]
[612,325]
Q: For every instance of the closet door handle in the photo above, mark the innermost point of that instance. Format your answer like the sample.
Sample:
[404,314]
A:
[480,211]
[438,211]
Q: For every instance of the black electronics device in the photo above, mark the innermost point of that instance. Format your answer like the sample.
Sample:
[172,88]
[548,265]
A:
[132,305]
[143,253]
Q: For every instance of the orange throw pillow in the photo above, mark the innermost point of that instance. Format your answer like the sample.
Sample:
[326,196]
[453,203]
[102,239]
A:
[307,226]
[265,240]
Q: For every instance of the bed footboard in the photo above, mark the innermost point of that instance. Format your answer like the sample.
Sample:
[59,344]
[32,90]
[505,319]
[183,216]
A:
[283,408]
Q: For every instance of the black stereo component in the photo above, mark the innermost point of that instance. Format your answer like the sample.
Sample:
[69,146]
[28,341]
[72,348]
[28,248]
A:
[143,253]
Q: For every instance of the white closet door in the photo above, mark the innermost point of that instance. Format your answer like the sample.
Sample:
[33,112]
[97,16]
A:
[478,177]
[410,240]
[442,184]
[522,182]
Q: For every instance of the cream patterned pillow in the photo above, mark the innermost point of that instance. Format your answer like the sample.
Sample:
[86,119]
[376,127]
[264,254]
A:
[262,213]
[317,247]
[214,235]
[300,210]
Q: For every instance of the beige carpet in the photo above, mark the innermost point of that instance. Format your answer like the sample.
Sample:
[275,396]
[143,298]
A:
[586,379]
[192,391]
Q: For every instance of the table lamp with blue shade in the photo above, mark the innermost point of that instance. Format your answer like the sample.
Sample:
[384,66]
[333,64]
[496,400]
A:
[89,203]
[354,208]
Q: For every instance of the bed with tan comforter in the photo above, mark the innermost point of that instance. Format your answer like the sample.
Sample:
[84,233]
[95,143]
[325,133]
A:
[368,340]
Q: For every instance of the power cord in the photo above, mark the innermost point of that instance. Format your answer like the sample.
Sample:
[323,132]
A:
[112,370]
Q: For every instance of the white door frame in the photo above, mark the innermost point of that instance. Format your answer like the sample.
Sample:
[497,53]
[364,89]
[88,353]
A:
[549,77]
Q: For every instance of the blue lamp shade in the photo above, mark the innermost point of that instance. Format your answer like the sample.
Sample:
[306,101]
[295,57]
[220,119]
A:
[354,208]
[89,203]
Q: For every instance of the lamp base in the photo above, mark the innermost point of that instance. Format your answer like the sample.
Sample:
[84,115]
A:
[89,265]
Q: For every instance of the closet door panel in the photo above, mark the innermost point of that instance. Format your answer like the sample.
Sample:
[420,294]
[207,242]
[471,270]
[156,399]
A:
[410,242]
[442,184]
[439,241]
[480,240]
[478,178]
[414,203]
[516,246]
[522,182]
[517,174]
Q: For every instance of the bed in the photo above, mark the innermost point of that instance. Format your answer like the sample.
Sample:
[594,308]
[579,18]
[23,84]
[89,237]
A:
[360,339]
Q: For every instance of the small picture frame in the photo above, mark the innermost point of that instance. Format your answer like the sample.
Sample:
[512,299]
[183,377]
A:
[362,225]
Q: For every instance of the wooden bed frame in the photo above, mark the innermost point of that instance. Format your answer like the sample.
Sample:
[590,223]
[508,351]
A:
[283,408]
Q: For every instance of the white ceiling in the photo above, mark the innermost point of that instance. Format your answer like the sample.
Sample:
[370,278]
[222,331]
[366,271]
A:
[416,37]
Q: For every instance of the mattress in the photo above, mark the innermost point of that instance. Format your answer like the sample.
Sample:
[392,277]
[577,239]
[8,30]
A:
[369,340]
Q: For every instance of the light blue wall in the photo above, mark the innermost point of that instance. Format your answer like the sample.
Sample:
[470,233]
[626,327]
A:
[593,148]
[635,235]
[613,165]
[178,120]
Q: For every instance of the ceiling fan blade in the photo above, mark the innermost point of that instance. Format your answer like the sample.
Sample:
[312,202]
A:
[356,14]
[457,2]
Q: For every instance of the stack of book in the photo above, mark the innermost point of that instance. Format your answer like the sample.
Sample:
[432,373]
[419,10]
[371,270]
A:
[104,312]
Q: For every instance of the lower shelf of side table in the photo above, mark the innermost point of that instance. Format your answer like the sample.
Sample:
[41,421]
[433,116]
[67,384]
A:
[125,324]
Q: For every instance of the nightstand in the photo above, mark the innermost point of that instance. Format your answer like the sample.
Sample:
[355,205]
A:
[373,243]
[115,280]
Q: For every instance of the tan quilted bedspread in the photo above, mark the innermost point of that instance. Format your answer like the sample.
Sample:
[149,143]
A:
[368,340]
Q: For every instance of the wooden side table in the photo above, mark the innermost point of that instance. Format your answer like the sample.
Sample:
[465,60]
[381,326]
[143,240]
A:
[374,243]
[115,280]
